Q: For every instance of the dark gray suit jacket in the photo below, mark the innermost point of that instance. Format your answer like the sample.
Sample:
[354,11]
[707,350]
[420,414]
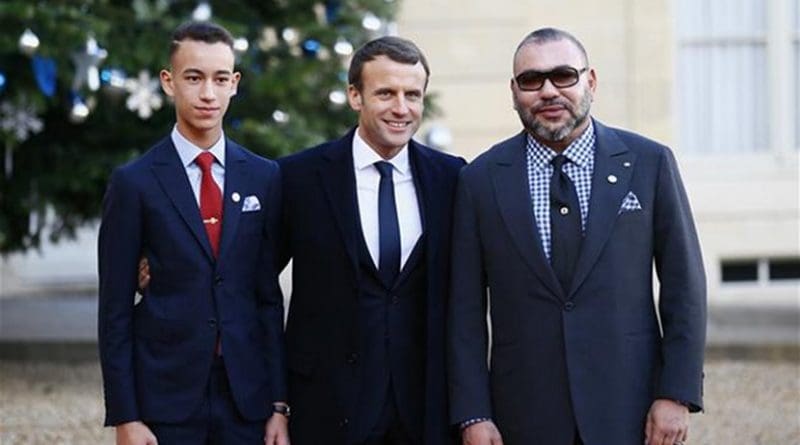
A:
[593,358]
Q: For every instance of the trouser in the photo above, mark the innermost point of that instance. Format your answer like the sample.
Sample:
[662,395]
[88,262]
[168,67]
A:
[389,429]
[216,421]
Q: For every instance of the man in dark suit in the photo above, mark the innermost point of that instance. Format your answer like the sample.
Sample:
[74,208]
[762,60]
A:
[200,358]
[561,226]
[367,221]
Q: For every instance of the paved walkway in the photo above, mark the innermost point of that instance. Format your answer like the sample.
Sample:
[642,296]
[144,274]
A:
[747,403]
[50,390]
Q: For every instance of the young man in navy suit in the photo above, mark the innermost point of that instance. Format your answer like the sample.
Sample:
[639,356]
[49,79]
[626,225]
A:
[200,358]
[561,225]
[366,222]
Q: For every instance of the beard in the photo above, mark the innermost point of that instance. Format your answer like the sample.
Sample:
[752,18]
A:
[547,132]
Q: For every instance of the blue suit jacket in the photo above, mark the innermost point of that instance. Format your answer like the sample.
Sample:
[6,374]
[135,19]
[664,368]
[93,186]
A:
[593,358]
[320,234]
[156,355]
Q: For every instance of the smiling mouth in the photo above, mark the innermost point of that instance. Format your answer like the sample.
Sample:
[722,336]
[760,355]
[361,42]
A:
[397,124]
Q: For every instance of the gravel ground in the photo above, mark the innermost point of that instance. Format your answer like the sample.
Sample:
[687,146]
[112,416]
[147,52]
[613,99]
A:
[747,403]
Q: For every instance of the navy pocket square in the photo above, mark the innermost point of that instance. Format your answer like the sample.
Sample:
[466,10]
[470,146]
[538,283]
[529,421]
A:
[630,204]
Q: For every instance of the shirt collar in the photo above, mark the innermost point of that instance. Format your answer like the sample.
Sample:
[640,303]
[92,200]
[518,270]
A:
[188,151]
[579,152]
[364,156]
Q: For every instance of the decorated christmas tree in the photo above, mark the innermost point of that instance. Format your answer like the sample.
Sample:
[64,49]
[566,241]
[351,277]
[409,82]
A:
[79,91]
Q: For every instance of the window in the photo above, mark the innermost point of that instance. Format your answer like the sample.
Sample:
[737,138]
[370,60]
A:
[784,269]
[721,75]
[796,6]
[739,270]
[737,75]
[760,270]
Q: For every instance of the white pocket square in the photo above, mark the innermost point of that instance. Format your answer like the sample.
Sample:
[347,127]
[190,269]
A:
[630,204]
[251,204]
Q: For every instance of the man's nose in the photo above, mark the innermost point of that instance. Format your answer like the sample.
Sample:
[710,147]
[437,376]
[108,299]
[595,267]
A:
[207,90]
[548,89]
[400,105]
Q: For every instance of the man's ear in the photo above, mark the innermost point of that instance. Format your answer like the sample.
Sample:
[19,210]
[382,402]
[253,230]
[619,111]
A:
[592,80]
[237,76]
[354,97]
[511,85]
[166,82]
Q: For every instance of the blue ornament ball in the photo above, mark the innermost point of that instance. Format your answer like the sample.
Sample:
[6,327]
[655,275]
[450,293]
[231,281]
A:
[311,47]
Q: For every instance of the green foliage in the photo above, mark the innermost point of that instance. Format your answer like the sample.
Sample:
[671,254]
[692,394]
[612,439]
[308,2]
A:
[59,174]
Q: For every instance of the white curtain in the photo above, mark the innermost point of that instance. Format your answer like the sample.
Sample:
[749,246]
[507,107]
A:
[796,7]
[721,75]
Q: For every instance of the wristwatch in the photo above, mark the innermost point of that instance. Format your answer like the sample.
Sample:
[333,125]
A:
[282,408]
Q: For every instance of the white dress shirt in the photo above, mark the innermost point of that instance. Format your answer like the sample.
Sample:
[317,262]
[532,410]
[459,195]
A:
[188,152]
[405,194]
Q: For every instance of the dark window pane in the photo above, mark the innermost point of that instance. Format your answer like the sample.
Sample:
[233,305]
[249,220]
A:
[739,270]
[784,269]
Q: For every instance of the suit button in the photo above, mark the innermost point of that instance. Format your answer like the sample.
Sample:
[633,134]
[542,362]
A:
[343,423]
[212,323]
[568,306]
[218,280]
[395,299]
[352,358]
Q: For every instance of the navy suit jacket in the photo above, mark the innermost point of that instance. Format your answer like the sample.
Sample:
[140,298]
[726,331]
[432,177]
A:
[593,358]
[156,355]
[320,234]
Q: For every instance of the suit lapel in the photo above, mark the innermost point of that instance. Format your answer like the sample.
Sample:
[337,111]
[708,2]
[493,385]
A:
[512,192]
[171,175]
[236,177]
[610,183]
[339,184]
[428,187]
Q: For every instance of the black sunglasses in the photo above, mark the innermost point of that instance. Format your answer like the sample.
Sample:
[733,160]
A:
[561,77]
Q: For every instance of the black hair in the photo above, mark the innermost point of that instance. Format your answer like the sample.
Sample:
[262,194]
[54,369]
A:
[543,35]
[207,32]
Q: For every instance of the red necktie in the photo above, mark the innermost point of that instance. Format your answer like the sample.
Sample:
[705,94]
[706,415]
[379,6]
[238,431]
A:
[210,200]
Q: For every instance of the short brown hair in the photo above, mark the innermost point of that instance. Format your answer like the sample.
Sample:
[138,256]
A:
[395,48]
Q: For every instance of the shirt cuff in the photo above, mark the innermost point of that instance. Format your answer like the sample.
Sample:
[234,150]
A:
[473,421]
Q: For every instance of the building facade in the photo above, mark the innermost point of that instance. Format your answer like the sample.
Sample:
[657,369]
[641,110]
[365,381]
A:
[717,80]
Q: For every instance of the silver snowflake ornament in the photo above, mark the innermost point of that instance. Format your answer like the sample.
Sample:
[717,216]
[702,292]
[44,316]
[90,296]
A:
[20,120]
[144,97]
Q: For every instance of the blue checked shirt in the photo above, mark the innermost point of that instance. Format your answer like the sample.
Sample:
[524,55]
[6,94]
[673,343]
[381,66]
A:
[581,156]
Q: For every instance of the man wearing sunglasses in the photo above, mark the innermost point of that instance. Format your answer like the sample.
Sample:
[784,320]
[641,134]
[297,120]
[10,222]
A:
[562,224]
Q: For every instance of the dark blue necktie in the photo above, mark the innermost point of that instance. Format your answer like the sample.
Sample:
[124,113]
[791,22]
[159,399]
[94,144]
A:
[565,224]
[389,253]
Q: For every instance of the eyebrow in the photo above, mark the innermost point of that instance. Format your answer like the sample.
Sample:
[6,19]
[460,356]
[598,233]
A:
[557,67]
[198,71]
[392,90]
